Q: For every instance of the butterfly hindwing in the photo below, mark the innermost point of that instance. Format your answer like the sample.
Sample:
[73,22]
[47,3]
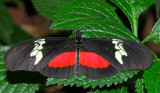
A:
[40,55]
[60,57]
[122,54]
[94,66]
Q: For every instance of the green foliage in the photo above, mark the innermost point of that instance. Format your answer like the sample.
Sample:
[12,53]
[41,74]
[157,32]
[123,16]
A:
[104,28]
[48,8]
[10,1]
[77,14]
[7,87]
[4,47]
[132,9]
[140,86]
[151,78]
[86,82]
[6,25]
[118,89]
[155,34]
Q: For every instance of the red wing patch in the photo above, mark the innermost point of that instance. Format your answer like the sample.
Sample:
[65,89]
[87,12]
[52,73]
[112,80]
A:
[93,60]
[63,60]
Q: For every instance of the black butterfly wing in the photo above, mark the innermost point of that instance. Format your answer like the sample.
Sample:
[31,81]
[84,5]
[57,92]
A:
[122,55]
[37,54]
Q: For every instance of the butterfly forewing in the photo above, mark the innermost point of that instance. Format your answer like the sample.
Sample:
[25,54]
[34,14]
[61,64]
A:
[60,57]
[122,54]
[41,54]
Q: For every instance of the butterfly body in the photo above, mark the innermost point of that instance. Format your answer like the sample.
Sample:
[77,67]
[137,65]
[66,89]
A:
[92,57]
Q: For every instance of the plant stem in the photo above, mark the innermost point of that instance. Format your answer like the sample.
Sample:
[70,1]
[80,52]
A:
[155,56]
[135,26]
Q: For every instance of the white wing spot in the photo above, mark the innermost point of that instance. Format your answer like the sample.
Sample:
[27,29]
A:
[120,50]
[37,50]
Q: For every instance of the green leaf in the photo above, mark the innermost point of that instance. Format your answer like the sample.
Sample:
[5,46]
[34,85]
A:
[48,8]
[82,12]
[7,87]
[2,48]
[93,19]
[118,89]
[6,25]
[132,9]
[106,28]
[11,1]
[155,34]
[152,78]
[86,82]
[140,86]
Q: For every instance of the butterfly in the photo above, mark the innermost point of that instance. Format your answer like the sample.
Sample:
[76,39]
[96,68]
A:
[62,57]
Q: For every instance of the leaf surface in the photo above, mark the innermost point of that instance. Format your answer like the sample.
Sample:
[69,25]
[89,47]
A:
[6,25]
[152,78]
[83,12]
[49,8]
[140,86]
[118,89]
[86,82]
[132,9]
